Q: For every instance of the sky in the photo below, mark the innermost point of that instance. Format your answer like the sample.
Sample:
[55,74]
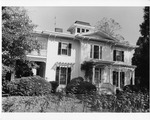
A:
[128,17]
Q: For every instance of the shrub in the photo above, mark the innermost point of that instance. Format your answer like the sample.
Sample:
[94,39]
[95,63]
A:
[54,86]
[78,86]
[29,86]
[78,79]
[131,88]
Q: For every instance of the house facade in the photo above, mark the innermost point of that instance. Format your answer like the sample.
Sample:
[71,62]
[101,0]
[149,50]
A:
[62,54]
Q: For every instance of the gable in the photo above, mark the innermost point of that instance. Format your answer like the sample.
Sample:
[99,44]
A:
[99,35]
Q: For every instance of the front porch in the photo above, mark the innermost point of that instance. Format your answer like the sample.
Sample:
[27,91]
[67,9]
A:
[112,76]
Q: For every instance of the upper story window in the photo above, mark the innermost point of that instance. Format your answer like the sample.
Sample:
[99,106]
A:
[96,52]
[79,30]
[118,55]
[64,48]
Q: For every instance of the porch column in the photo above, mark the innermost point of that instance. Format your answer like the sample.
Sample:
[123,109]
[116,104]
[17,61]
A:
[110,81]
[93,75]
[119,78]
[133,77]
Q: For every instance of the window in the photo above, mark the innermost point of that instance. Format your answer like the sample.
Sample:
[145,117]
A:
[97,75]
[116,79]
[118,55]
[83,30]
[96,52]
[87,30]
[63,75]
[122,78]
[64,48]
[78,30]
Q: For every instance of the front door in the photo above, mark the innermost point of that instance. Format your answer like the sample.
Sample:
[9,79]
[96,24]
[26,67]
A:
[97,76]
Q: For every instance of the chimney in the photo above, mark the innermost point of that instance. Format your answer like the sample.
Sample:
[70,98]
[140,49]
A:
[58,30]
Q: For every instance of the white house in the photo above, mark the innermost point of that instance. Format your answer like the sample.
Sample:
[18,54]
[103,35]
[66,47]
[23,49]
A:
[62,54]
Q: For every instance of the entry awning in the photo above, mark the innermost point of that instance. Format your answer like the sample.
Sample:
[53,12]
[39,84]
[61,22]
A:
[62,64]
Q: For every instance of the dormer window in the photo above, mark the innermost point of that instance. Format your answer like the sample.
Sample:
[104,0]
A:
[87,30]
[78,30]
[83,30]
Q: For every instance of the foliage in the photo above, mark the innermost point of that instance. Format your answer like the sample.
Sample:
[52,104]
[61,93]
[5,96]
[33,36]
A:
[50,103]
[124,102]
[131,88]
[54,86]
[29,86]
[87,67]
[24,68]
[17,37]
[141,55]
[109,26]
[77,86]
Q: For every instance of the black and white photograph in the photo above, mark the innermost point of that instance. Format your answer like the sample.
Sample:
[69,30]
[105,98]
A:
[75,59]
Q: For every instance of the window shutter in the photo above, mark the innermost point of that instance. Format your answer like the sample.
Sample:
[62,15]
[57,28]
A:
[114,78]
[100,52]
[69,51]
[59,48]
[122,78]
[114,55]
[69,75]
[91,52]
[57,74]
[122,56]
[117,84]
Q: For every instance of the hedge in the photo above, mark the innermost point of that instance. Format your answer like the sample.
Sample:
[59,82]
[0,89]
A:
[29,86]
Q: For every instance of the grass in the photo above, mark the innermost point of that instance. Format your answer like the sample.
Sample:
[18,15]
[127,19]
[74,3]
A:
[125,102]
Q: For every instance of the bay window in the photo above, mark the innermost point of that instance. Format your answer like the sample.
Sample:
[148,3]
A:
[118,79]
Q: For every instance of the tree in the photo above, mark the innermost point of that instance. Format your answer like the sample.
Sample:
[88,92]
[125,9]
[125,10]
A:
[17,40]
[109,26]
[141,55]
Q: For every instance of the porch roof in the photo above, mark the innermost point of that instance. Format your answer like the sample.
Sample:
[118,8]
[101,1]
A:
[124,65]
[101,62]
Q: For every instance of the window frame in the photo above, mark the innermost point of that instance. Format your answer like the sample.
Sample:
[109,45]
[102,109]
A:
[58,73]
[115,56]
[69,47]
[78,30]
[99,52]
[118,74]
